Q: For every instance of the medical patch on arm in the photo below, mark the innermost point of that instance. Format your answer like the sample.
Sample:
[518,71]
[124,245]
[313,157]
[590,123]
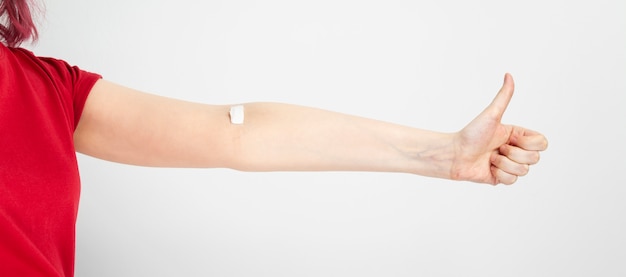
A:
[236,114]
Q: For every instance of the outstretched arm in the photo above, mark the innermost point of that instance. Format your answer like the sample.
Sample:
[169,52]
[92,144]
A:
[123,125]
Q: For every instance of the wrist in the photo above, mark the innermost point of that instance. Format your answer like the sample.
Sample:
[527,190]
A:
[432,154]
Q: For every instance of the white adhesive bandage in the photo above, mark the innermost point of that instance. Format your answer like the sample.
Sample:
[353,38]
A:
[236,114]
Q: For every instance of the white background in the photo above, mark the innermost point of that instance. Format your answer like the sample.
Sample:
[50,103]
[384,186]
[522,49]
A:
[429,64]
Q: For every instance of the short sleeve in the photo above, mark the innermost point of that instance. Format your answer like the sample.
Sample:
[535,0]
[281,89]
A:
[74,84]
[84,83]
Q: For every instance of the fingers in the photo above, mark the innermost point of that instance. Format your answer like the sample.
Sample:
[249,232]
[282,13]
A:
[524,146]
[502,99]
[519,155]
[503,177]
[513,160]
[530,142]
[509,166]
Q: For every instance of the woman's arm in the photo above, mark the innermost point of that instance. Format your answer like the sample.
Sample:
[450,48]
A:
[123,125]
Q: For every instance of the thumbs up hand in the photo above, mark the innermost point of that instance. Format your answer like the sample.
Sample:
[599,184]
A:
[488,151]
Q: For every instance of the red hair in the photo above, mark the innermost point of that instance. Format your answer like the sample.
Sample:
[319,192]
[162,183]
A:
[17,22]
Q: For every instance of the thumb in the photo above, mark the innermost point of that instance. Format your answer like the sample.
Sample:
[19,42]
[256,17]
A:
[502,99]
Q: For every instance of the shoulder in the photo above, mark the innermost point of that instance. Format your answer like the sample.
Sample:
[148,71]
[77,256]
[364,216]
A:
[46,69]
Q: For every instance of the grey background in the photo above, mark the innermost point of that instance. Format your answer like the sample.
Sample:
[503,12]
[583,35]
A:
[429,64]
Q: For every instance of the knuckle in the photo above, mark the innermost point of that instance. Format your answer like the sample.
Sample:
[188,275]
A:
[496,159]
[511,180]
[534,157]
[544,144]
[524,170]
[507,182]
[505,149]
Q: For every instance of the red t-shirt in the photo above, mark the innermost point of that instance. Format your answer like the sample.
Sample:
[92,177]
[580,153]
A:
[41,100]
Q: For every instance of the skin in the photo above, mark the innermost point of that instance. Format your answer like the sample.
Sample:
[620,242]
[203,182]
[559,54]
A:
[127,126]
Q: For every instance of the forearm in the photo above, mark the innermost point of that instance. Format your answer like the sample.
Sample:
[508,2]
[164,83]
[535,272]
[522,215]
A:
[287,137]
